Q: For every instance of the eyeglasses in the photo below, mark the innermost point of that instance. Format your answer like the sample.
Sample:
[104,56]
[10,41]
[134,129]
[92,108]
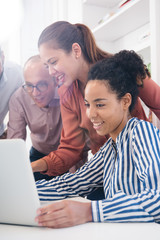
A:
[41,87]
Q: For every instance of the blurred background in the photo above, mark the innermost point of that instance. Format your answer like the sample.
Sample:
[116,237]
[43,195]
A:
[21,21]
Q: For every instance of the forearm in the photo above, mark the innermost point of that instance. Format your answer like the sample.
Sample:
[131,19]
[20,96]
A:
[80,183]
[141,207]
[58,162]
[16,133]
[17,124]
[39,165]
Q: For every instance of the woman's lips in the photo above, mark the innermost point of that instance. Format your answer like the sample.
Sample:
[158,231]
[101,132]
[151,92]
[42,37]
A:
[97,126]
[60,79]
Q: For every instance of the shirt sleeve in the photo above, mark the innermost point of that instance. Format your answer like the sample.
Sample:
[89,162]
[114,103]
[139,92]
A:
[150,95]
[144,205]
[81,183]
[72,143]
[16,124]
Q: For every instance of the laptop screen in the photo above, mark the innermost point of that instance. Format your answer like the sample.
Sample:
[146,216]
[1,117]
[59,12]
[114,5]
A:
[19,199]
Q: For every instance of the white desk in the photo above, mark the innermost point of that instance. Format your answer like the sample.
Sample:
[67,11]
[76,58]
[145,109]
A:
[89,231]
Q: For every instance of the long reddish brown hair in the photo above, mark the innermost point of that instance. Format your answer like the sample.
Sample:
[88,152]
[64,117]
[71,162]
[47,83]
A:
[62,34]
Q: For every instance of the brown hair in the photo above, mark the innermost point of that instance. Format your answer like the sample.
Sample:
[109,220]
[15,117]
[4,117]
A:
[62,34]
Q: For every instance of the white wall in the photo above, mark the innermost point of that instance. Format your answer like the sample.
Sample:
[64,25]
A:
[10,20]
[38,14]
[41,13]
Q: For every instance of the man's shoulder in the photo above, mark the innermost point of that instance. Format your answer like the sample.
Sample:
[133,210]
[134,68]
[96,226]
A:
[21,96]
[12,66]
[13,71]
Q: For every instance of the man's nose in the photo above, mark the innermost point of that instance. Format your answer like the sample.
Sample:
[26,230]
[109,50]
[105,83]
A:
[35,92]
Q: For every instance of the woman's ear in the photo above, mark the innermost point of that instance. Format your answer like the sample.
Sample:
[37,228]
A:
[76,50]
[127,100]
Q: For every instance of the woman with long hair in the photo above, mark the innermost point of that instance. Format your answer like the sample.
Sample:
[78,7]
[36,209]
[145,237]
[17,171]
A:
[69,51]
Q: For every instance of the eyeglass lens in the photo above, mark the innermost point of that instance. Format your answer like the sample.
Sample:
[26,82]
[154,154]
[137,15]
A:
[41,87]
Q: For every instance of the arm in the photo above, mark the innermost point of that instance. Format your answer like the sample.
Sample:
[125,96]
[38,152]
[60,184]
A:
[150,95]
[66,156]
[80,183]
[72,141]
[67,212]
[17,124]
[142,206]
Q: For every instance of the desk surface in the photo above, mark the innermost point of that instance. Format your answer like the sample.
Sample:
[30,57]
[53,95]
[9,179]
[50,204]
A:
[89,231]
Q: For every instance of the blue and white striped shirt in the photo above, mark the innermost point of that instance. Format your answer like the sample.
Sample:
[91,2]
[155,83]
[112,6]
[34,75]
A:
[128,170]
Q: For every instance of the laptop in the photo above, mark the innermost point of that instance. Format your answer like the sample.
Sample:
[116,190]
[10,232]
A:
[18,194]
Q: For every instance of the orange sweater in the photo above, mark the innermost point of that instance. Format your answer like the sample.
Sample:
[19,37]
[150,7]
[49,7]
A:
[76,125]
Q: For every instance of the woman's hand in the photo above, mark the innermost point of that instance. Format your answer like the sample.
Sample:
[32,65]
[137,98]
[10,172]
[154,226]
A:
[65,213]
[39,166]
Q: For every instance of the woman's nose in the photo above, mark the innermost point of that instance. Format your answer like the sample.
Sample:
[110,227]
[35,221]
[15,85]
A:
[52,70]
[91,113]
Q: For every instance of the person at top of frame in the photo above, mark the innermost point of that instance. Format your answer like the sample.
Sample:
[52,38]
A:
[11,78]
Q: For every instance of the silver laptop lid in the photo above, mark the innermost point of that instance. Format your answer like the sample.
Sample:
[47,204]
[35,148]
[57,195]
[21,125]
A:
[18,195]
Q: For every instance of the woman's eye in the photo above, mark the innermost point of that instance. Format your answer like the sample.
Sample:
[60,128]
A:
[100,105]
[86,105]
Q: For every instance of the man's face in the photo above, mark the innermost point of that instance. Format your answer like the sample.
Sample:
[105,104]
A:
[37,75]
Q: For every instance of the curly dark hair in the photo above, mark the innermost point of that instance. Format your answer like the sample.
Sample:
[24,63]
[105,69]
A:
[120,72]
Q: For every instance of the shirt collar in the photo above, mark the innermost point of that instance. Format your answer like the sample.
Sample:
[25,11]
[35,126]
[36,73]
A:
[125,131]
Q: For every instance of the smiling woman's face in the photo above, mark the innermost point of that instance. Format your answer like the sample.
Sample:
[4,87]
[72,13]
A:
[108,114]
[61,65]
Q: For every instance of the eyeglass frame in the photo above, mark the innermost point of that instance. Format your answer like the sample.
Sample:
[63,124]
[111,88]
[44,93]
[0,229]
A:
[35,86]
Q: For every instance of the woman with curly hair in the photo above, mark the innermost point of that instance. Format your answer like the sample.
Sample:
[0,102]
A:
[68,51]
[127,166]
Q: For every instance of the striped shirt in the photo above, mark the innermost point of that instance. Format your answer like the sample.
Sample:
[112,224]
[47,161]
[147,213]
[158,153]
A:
[128,170]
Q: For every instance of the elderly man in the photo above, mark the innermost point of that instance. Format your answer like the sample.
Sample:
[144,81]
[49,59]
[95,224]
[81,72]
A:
[36,105]
[11,78]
